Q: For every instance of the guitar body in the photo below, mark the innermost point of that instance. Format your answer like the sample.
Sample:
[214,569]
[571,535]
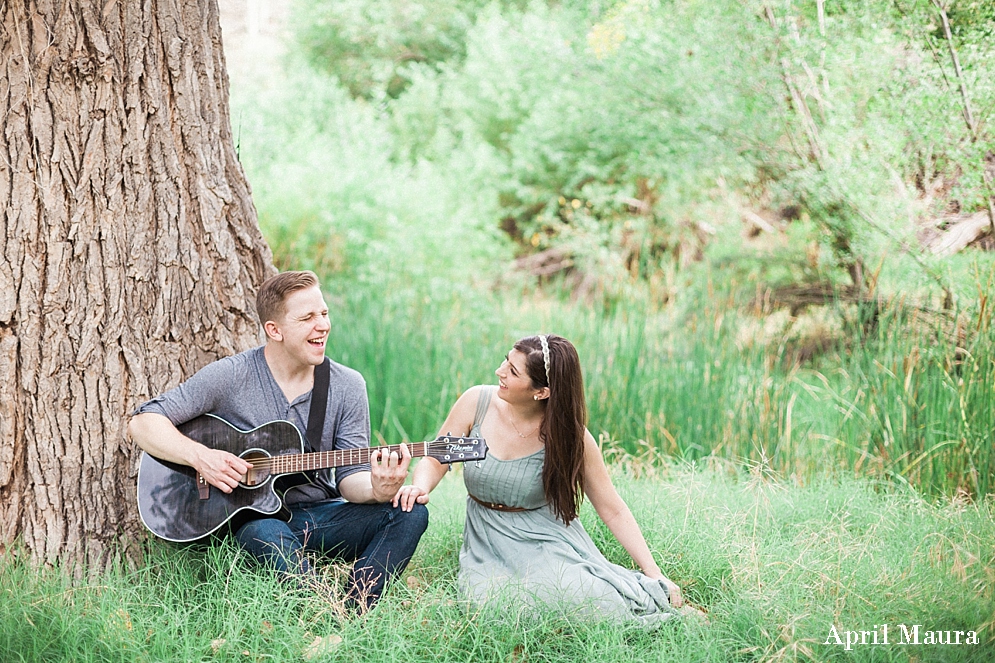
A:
[169,495]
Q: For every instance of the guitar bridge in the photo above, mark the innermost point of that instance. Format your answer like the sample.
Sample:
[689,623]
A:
[203,488]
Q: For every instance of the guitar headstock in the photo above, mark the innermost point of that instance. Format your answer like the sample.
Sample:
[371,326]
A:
[453,449]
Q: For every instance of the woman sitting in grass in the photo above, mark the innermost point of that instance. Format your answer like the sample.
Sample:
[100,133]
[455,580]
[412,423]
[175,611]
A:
[522,535]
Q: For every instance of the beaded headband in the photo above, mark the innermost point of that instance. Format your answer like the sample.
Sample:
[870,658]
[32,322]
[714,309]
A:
[545,356]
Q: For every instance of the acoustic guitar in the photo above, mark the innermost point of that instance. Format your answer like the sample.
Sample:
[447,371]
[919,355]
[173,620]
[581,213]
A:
[177,504]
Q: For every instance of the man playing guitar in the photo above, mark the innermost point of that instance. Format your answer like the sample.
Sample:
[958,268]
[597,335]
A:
[345,512]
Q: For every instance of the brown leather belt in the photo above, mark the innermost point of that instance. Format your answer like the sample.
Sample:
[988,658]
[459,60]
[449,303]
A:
[494,506]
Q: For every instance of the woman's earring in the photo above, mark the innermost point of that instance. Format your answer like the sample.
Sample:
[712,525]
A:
[535,397]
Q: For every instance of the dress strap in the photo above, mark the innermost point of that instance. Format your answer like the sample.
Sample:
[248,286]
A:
[483,402]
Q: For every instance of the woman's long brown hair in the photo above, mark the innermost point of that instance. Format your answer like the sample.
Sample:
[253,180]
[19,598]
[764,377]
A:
[564,421]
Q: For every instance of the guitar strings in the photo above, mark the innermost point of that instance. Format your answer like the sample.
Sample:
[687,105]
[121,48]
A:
[269,462]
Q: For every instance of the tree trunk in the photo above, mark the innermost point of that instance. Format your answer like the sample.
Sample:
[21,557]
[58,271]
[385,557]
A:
[129,252]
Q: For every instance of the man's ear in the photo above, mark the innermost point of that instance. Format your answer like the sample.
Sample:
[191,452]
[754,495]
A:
[272,331]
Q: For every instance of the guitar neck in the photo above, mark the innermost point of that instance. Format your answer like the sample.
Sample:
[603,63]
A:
[320,460]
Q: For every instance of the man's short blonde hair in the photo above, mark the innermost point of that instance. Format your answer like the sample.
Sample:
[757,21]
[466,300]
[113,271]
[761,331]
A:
[271,300]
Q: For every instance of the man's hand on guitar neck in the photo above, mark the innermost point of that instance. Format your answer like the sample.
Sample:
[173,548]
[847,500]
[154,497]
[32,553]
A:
[386,476]
[158,436]
[388,472]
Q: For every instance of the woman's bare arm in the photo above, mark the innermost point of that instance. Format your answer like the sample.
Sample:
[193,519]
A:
[615,513]
[428,471]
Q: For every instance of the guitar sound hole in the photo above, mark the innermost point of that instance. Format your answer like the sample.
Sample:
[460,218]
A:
[260,470]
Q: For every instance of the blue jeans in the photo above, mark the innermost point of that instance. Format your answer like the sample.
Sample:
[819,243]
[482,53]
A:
[380,538]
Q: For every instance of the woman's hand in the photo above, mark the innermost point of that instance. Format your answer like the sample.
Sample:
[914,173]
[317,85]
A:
[408,495]
[676,597]
[673,590]
[677,601]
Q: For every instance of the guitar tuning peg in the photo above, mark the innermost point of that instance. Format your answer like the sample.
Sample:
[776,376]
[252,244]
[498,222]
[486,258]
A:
[477,463]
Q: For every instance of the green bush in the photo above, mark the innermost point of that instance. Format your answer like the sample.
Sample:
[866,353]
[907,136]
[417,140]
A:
[628,137]
[330,197]
[370,45]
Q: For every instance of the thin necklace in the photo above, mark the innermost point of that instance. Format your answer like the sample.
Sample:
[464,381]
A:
[520,432]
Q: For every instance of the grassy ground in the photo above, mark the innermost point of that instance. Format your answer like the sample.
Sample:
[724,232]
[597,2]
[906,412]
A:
[777,565]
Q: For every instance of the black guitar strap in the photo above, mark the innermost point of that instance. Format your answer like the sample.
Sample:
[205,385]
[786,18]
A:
[319,405]
[315,427]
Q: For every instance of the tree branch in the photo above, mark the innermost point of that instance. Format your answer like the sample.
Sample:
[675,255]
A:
[972,125]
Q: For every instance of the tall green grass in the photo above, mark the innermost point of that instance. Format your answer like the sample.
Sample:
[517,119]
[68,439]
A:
[913,405]
[902,402]
[775,564]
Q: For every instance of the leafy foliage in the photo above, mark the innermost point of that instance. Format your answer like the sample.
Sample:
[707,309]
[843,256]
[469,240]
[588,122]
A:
[629,136]
[604,134]
[369,46]
[330,198]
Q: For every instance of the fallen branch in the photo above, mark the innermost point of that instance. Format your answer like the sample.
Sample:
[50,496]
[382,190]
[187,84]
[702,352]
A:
[757,221]
[545,263]
[797,298]
[958,235]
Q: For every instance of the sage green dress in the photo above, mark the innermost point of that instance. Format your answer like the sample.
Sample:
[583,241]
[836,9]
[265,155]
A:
[531,558]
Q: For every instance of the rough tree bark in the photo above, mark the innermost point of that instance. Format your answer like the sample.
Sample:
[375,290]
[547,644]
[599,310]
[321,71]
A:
[129,253]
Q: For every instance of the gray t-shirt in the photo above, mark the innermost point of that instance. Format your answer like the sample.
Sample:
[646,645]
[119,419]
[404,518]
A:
[242,391]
